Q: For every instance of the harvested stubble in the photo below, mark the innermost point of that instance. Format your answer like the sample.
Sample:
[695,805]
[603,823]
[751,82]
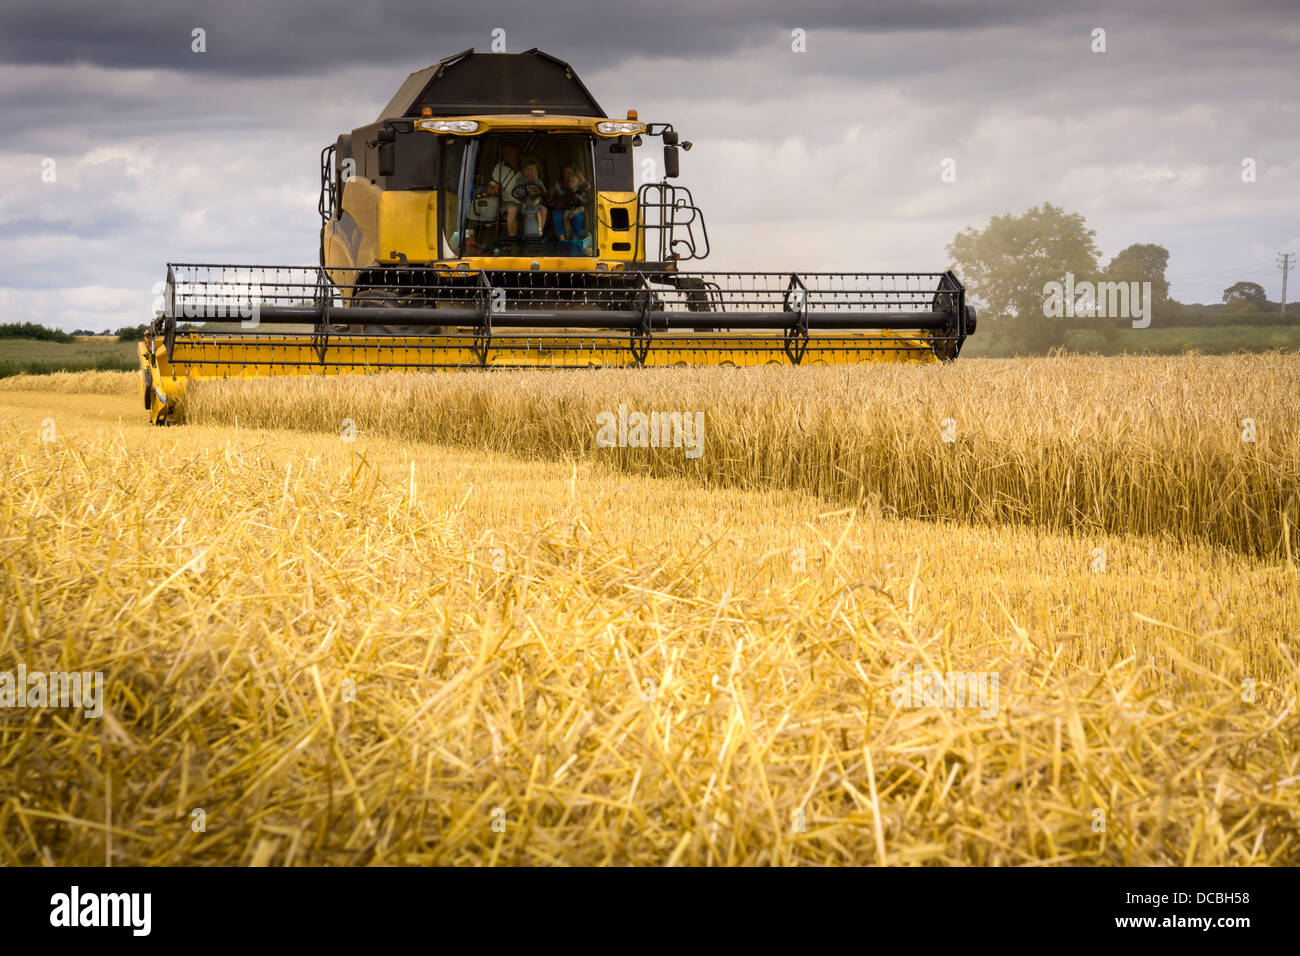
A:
[516,679]
[1120,445]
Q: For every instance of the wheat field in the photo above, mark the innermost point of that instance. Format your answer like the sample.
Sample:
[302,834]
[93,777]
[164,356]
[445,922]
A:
[455,631]
[1124,445]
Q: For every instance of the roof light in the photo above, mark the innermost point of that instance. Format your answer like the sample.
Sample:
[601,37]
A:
[631,114]
[449,126]
[615,128]
[427,111]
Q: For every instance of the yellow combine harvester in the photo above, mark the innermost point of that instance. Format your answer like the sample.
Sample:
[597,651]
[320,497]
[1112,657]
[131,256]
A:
[490,218]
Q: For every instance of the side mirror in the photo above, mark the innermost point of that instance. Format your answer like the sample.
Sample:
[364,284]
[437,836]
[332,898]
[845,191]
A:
[672,163]
[387,159]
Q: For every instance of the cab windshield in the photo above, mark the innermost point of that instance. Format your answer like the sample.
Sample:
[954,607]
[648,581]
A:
[518,194]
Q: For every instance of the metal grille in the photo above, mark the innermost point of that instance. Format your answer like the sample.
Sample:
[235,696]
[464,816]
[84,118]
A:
[229,299]
[216,292]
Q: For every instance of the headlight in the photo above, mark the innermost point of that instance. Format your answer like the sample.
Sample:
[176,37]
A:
[449,126]
[619,128]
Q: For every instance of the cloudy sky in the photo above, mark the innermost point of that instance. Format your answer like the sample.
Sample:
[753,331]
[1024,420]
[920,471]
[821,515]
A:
[820,160]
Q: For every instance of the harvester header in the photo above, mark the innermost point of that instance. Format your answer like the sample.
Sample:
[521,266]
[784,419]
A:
[490,218]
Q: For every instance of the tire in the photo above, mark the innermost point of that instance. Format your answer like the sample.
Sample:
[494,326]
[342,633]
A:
[387,299]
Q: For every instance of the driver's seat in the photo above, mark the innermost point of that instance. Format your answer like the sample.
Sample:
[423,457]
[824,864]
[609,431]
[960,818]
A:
[528,228]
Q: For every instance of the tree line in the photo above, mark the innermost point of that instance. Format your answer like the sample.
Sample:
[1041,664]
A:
[1007,264]
[41,333]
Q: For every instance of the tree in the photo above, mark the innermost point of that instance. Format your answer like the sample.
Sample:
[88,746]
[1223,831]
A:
[1245,296]
[1007,264]
[1143,262]
[32,330]
[131,334]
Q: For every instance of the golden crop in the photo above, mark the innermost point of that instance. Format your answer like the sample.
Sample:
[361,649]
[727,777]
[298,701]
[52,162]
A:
[1121,445]
[470,636]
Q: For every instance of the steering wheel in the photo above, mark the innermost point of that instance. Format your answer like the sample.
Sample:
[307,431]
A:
[526,191]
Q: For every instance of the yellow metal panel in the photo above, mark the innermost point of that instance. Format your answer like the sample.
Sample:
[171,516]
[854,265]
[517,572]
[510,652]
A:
[254,356]
[525,264]
[403,226]
[361,202]
[605,202]
[501,121]
[473,264]
[339,253]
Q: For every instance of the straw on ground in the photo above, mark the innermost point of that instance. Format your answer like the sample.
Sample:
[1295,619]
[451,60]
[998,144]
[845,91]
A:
[389,651]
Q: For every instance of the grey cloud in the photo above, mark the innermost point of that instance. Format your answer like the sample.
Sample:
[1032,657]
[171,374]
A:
[824,160]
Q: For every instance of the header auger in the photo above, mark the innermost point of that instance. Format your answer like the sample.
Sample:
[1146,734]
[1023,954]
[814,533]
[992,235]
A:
[489,218]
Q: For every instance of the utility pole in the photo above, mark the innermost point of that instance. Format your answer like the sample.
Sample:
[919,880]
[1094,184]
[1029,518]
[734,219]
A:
[1285,260]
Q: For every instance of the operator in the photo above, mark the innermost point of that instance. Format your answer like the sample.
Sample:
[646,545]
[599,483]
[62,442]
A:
[506,175]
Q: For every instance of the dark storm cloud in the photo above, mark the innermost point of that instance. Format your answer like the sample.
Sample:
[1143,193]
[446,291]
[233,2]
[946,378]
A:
[310,37]
[303,36]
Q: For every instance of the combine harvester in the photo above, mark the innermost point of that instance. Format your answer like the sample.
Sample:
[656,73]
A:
[490,218]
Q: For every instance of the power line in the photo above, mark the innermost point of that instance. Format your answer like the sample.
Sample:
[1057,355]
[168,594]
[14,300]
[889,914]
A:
[1284,262]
